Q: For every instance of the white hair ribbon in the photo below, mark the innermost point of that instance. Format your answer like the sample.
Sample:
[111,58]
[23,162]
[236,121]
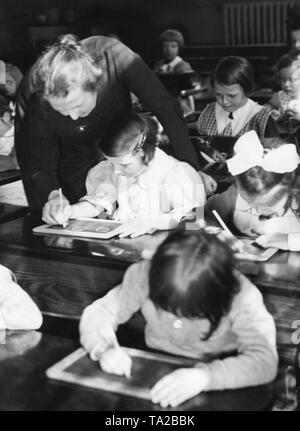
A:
[249,152]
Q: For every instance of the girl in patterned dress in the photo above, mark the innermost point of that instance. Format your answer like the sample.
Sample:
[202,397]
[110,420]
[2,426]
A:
[234,113]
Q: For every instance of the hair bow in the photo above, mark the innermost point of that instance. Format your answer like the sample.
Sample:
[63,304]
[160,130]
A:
[249,152]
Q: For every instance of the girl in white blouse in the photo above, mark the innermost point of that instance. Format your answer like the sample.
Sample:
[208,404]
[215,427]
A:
[138,183]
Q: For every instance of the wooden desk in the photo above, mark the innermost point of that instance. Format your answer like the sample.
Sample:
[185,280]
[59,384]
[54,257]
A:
[10,211]
[7,177]
[64,275]
[24,386]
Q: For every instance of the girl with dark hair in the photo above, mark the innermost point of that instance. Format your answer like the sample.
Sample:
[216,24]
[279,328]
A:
[172,43]
[137,184]
[195,305]
[234,113]
[266,197]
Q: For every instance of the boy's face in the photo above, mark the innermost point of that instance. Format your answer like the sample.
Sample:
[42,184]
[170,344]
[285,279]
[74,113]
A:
[295,37]
[230,97]
[170,50]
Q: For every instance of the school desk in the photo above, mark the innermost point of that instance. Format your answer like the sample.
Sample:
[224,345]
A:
[64,275]
[25,356]
[10,176]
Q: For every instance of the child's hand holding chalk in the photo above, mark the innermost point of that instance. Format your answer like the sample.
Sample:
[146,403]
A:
[116,361]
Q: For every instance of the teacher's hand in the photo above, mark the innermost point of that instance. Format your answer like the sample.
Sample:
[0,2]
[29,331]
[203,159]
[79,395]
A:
[56,210]
[210,185]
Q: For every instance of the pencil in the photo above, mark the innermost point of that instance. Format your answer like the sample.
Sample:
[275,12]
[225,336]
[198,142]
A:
[61,205]
[222,223]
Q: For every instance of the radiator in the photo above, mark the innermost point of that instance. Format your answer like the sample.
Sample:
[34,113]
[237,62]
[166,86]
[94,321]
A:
[256,23]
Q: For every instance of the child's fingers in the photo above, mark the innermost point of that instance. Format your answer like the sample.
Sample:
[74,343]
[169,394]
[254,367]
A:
[161,393]
[139,233]
[125,362]
[116,361]
[263,240]
[161,386]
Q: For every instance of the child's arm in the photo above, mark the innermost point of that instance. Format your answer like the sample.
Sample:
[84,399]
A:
[184,189]
[223,203]
[257,359]
[100,319]
[17,309]
[255,363]
[181,193]
[282,241]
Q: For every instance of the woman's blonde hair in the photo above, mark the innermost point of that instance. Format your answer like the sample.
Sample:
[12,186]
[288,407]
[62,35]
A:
[65,65]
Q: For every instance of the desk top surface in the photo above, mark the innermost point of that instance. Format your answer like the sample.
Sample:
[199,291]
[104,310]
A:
[27,354]
[9,176]
[282,271]
[64,275]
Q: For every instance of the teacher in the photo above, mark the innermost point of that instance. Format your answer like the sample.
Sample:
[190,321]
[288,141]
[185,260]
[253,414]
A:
[67,100]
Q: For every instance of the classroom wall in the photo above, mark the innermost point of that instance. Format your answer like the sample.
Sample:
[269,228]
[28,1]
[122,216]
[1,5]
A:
[138,22]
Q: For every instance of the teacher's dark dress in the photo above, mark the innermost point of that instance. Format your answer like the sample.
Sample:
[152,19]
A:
[55,151]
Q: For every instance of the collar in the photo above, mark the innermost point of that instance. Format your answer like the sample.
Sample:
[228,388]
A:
[277,209]
[240,117]
[170,66]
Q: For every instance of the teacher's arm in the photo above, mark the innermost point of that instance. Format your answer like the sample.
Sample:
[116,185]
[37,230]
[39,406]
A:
[37,148]
[142,81]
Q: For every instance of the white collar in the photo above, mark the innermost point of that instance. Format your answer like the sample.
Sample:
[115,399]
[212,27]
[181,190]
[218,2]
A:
[170,66]
[244,206]
[240,117]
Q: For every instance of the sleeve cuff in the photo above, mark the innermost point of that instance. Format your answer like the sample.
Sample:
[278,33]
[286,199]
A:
[294,241]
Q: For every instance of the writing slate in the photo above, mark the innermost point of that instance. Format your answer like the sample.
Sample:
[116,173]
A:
[83,227]
[147,369]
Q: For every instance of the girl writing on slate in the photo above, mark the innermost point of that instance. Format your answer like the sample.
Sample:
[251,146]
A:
[265,200]
[234,113]
[137,184]
[195,305]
